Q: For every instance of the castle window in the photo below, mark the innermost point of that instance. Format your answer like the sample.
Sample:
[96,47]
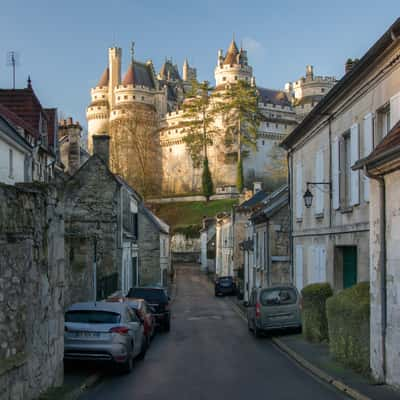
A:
[224,78]
[236,78]
[276,125]
[322,90]
[134,97]
[125,97]
[103,96]
[263,142]
[142,98]
[118,98]
[267,123]
[170,150]
[99,108]
[176,130]
[95,97]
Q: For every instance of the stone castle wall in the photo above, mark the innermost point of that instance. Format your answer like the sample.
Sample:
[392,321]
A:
[31,291]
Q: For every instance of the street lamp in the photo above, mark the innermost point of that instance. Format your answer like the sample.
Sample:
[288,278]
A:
[308,196]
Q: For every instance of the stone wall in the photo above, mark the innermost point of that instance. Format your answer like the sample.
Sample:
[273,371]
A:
[31,291]
[92,227]
[149,251]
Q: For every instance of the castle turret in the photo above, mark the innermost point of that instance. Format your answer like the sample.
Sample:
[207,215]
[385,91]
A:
[233,67]
[98,112]
[188,73]
[114,62]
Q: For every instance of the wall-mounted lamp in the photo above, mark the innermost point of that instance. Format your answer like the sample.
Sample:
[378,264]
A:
[308,196]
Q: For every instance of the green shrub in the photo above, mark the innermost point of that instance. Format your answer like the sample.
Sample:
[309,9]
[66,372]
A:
[315,325]
[348,320]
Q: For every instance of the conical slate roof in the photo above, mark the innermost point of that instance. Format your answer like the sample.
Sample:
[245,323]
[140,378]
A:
[104,78]
[129,78]
[231,55]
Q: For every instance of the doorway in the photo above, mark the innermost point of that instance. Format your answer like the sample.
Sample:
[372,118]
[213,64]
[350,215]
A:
[349,266]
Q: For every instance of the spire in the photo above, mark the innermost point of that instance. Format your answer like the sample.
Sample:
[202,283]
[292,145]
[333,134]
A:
[104,78]
[132,50]
[129,78]
[29,82]
[231,54]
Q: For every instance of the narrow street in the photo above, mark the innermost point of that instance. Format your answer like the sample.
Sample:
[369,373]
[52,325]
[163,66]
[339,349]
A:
[209,354]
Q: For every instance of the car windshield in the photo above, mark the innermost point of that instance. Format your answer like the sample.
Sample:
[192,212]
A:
[92,317]
[278,297]
[225,280]
[150,295]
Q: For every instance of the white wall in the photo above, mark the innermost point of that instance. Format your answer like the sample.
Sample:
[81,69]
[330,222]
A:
[18,163]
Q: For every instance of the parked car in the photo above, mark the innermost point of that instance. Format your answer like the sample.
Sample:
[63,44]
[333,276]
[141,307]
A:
[144,312]
[103,331]
[276,307]
[224,285]
[159,300]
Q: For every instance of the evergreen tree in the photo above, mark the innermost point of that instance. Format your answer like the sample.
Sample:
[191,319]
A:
[238,104]
[207,183]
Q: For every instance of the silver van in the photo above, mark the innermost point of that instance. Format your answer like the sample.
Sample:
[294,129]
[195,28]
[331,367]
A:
[276,307]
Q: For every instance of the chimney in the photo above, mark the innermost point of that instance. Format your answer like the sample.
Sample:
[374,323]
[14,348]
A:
[101,147]
[350,64]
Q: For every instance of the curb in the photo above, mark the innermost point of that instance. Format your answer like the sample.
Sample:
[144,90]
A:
[354,394]
[89,382]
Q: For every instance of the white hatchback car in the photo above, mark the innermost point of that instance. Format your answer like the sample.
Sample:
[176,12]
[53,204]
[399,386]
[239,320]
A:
[105,332]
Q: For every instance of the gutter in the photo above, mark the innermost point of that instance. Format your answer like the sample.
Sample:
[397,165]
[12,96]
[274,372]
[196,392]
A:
[290,201]
[382,264]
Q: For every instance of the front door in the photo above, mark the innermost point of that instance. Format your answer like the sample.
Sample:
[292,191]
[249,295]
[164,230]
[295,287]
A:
[349,266]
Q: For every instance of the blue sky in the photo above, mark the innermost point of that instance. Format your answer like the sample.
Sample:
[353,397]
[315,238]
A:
[63,45]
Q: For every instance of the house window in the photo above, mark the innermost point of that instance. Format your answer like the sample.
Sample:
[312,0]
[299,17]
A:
[10,163]
[383,123]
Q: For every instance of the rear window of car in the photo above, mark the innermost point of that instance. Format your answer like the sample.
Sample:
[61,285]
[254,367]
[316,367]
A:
[225,280]
[150,295]
[278,297]
[92,317]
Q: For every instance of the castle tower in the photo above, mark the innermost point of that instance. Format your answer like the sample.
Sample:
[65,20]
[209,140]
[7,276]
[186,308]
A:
[188,73]
[233,67]
[98,112]
[114,62]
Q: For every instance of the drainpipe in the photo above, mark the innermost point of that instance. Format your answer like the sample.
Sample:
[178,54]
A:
[382,264]
[290,187]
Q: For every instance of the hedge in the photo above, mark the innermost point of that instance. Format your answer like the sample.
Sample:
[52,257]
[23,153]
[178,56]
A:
[315,324]
[348,320]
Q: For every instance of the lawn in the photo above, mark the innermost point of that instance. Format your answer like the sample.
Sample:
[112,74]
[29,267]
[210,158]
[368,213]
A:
[186,214]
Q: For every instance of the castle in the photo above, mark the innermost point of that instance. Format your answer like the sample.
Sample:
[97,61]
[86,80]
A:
[162,94]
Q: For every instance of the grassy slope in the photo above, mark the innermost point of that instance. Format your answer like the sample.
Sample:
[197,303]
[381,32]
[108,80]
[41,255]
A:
[191,213]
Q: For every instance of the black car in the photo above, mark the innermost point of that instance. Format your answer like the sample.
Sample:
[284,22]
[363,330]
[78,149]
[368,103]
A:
[225,285]
[158,299]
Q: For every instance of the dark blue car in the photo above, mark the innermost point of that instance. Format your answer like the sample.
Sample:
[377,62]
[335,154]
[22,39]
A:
[225,285]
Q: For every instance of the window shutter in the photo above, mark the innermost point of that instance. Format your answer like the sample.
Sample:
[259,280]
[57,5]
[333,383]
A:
[335,173]
[394,110]
[312,265]
[322,264]
[299,267]
[354,156]
[299,193]
[319,177]
[367,148]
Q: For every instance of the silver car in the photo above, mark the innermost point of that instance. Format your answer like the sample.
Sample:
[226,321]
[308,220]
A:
[105,332]
[276,307]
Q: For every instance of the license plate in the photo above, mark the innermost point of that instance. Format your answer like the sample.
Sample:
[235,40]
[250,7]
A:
[88,334]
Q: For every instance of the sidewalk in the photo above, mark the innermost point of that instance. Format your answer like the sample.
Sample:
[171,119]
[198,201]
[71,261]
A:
[77,378]
[316,358]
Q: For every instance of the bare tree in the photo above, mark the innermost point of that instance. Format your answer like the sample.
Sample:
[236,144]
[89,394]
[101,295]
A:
[135,150]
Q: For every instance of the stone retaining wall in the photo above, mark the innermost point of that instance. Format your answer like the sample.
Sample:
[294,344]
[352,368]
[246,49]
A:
[31,291]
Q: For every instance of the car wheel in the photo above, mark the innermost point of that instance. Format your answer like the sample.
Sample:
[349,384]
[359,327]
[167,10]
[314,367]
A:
[257,331]
[143,350]
[128,365]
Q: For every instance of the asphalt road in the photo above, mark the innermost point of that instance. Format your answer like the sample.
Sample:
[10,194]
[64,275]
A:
[209,354]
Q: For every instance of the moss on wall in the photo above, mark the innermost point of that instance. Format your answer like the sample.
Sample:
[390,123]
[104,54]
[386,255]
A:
[315,324]
[348,315]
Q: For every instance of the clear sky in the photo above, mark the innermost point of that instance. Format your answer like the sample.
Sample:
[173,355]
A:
[63,44]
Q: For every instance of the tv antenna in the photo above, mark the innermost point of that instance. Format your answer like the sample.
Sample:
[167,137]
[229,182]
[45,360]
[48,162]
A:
[13,62]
